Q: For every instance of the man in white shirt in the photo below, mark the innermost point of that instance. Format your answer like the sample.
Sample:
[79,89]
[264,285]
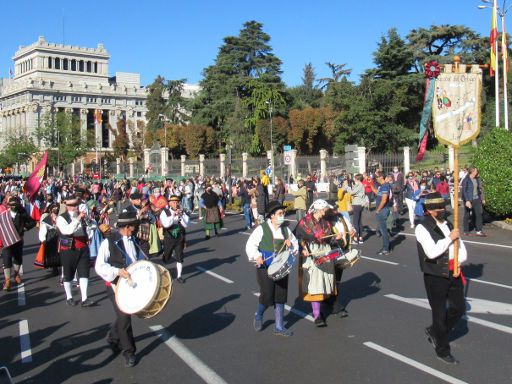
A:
[116,253]
[435,239]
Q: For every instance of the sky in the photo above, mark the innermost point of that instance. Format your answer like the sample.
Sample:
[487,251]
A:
[178,39]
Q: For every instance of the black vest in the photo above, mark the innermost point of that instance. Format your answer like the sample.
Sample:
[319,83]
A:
[440,266]
[117,251]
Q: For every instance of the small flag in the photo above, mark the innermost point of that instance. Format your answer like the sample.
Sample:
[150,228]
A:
[98,118]
[8,234]
[36,178]
[504,48]
[493,39]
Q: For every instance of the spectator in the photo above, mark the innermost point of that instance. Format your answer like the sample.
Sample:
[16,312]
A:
[299,204]
[279,191]
[443,188]
[384,203]
[411,186]
[358,201]
[368,189]
[473,198]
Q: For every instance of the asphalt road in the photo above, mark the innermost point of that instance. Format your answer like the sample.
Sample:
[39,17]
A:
[205,334]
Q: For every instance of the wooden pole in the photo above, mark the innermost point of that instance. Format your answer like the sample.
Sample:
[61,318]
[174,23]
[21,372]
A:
[456,271]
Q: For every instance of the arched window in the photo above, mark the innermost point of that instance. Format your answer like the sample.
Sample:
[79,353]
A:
[57,63]
[73,65]
[81,65]
[50,59]
[89,66]
[65,65]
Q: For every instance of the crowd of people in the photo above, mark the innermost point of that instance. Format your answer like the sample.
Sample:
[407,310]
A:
[82,223]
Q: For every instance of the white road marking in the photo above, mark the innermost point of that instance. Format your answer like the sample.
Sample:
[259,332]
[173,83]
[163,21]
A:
[488,306]
[200,368]
[414,363]
[21,295]
[423,303]
[379,260]
[467,241]
[26,351]
[299,313]
[224,229]
[490,283]
[215,275]
[245,233]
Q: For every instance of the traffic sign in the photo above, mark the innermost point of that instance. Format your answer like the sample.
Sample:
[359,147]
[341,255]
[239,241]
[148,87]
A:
[287,158]
[268,170]
[287,148]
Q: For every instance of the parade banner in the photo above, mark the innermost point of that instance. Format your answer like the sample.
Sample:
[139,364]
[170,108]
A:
[456,107]
[35,180]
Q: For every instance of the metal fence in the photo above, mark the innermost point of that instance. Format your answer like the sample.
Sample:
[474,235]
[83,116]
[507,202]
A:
[384,161]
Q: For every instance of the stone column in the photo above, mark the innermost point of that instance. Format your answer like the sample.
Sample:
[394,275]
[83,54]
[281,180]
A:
[201,165]
[183,159]
[97,132]
[73,169]
[164,155]
[82,165]
[83,123]
[451,158]
[118,166]
[361,159]
[147,152]
[112,120]
[323,165]
[130,161]
[245,155]
[222,159]
[293,165]
[407,160]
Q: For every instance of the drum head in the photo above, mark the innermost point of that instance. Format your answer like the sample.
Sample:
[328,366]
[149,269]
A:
[146,281]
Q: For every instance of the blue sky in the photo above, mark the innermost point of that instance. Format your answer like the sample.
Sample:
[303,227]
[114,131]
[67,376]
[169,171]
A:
[178,39]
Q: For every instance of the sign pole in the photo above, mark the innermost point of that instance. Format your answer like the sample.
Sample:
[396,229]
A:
[456,270]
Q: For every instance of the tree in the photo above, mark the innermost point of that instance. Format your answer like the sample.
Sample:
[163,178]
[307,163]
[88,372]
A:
[62,135]
[121,143]
[19,150]
[175,104]
[307,94]
[197,139]
[393,57]
[155,104]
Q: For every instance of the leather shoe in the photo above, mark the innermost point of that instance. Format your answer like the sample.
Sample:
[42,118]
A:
[87,303]
[70,302]
[448,359]
[180,280]
[430,337]
[320,322]
[129,360]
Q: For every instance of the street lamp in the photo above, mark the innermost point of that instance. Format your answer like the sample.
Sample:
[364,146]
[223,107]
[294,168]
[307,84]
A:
[166,120]
[501,12]
[269,102]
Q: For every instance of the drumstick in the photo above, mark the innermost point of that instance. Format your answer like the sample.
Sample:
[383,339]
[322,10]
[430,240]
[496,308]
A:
[131,283]
[269,257]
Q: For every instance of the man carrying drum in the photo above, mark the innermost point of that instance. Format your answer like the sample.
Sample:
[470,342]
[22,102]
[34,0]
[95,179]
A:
[268,240]
[116,253]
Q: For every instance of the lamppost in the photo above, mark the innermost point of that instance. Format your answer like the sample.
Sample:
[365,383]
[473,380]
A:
[166,120]
[269,102]
[501,11]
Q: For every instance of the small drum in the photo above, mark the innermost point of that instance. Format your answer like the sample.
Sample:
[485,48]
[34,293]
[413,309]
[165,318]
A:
[147,291]
[347,260]
[281,265]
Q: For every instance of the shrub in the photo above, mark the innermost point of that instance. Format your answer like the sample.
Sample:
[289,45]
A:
[493,159]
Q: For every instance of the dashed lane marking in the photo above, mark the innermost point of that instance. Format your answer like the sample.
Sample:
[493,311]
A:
[217,276]
[468,241]
[26,351]
[414,363]
[21,295]
[490,283]
[200,368]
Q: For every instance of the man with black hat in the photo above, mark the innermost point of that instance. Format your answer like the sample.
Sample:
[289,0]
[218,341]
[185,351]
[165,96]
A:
[115,254]
[174,221]
[74,235]
[13,255]
[435,238]
[268,240]
[134,203]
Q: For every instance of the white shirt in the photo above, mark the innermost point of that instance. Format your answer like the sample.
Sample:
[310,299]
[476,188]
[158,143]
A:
[173,219]
[252,246]
[73,228]
[102,266]
[432,249]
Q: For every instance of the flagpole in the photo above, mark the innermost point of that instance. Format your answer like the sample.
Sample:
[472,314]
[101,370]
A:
[496,74]
[504,55]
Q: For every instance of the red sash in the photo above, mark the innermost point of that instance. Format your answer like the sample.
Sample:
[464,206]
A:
[451,266]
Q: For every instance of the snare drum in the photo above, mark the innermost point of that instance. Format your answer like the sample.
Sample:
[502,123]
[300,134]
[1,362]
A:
[347,260]
[324,260]
[281,265]
[147,292]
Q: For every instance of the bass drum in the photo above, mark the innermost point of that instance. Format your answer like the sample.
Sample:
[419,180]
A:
[147,291]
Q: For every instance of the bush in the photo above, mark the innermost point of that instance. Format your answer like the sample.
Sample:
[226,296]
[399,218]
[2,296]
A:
[493,159]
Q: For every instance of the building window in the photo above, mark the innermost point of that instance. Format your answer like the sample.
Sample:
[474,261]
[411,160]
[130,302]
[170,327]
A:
[139,114]
[73,65]
[57,63]
[65,65]
[81,65]
[89,67]
[50,62]
[91,99]
[76,99]
[95,67]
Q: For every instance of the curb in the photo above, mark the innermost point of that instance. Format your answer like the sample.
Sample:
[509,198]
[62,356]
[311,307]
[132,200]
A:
[502,224]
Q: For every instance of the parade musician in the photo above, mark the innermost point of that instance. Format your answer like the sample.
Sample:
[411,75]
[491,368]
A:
[267,240]
[174,221]
[435,237]
[116,253]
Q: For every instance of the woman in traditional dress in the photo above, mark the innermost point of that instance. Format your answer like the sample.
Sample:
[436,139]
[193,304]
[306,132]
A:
[212,205]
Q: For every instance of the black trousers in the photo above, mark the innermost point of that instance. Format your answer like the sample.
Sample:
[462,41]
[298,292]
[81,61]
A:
[121,332]
[76,260]
[440,292]
[13,254]
[271,292]
[473,218]
[171,244]
[357,213]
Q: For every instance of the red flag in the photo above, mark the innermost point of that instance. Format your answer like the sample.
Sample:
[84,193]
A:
[36,178]
[493,39]
[8,234]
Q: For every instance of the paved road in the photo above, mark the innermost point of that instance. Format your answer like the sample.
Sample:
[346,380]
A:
[205,334]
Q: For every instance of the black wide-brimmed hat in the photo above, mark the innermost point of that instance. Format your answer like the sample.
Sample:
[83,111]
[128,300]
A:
[127,217]
[434,201]
[14,201]
[272,207]
[135,195]
[72,200]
